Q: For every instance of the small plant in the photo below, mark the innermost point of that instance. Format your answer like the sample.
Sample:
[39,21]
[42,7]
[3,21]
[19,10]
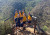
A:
[45,28]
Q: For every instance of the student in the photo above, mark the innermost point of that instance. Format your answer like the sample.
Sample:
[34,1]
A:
[18,21]
[29,18]
[24,21]
[21,19]
[15,18]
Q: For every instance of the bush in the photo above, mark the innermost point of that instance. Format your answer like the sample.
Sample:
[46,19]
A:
[45,28]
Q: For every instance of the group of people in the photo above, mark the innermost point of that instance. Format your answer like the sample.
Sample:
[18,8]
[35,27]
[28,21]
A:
[20,19]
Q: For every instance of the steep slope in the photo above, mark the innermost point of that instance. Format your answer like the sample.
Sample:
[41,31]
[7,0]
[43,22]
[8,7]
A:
[42,11]
[7,9]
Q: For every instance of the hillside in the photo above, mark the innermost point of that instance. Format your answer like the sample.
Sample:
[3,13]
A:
[7,7]
[42,11]
[7,10]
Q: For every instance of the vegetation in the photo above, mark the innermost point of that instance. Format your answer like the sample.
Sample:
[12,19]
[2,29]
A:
[42,12]
[45,28]
[38,8]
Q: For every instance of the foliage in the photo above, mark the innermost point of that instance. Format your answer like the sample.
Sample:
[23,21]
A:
[45,28]
[42,12]
[7,7]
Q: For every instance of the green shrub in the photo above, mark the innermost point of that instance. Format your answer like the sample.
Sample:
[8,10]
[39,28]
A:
[45,28]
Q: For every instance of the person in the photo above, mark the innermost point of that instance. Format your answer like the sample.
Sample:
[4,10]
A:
[18,21]
[15,17]
[29,18]
[24,21]
[21,19]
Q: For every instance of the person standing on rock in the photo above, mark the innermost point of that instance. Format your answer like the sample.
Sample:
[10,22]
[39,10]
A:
[24,21]
[29,19]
